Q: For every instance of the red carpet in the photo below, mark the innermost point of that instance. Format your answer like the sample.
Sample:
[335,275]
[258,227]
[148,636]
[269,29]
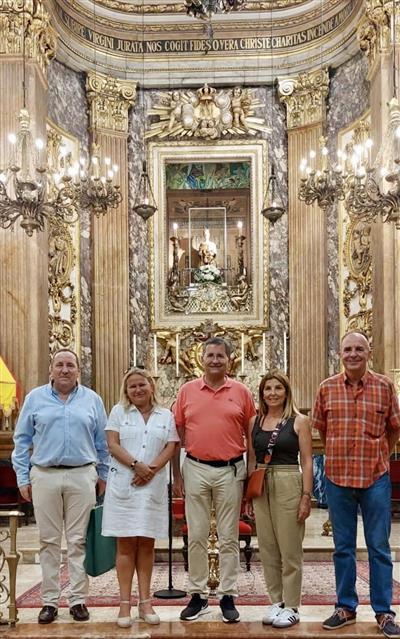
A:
[318,586]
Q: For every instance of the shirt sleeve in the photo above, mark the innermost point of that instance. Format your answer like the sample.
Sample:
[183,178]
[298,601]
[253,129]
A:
[114,421]
[178,409]
[393,419]
[318,419]
[100,441]
[23,439]
[173,434]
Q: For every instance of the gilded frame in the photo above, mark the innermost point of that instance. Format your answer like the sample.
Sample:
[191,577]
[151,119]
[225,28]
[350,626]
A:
[253,151]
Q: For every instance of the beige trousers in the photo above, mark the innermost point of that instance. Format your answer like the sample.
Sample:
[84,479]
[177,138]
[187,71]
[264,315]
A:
[203,485]
[280,536]
[63,497]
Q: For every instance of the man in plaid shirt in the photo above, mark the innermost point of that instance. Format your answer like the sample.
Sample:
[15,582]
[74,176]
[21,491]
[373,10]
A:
[358,417]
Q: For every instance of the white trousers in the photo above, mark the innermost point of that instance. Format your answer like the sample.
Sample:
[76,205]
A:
[60,497]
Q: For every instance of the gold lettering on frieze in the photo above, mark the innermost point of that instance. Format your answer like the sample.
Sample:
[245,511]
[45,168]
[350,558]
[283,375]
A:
[215,45]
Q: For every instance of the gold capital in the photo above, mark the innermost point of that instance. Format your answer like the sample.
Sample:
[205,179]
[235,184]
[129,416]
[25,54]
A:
[374,28]
[40,37]
[109,99]
[304,97]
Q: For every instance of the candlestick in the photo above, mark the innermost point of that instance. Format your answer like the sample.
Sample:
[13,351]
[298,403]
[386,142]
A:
[155,354]
[134,350]
[263,353]
[285,363]
[177,354]
[242,354]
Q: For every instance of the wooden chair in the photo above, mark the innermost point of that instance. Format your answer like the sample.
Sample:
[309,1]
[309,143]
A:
[245,533]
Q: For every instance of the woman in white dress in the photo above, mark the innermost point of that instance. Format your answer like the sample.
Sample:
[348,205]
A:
[142,438]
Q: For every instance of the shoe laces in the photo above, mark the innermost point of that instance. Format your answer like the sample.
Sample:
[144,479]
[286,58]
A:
[386,619]
[341,613]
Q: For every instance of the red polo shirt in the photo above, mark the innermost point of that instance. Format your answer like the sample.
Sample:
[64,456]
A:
[215,422]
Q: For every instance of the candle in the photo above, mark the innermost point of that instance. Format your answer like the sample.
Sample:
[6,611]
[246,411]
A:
[285,367]
[155,354]
[263,353]
[177,354]
[242,354]
[134,350]
[240,226]
[175,227]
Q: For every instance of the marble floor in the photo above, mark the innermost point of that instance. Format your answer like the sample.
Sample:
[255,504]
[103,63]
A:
[101,621]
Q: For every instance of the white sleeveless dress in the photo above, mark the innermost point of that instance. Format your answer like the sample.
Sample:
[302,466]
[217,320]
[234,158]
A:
[138,511]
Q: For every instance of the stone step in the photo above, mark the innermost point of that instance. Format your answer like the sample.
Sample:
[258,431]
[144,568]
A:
[191,630]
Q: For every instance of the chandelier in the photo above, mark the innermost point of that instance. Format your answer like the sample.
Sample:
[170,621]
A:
[323,185]
[273,207]
[28,193]
[94,185]
[145,204]
[205,9]
[25,184]
[365,198]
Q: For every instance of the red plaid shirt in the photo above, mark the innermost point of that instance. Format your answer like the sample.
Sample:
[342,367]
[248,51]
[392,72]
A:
[355,421]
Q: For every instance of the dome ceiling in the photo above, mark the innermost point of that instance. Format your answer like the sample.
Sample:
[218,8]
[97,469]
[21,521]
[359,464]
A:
[158,45]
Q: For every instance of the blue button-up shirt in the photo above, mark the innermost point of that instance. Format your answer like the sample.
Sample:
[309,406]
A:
[69,433]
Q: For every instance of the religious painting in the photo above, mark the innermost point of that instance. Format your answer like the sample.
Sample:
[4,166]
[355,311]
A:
[210,242]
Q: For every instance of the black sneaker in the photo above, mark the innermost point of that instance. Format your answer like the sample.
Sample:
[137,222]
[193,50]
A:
[229,612]
[196,607]
[388,625]
[340,617]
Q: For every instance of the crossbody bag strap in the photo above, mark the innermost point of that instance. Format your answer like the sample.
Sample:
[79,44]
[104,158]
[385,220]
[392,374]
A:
[272,440]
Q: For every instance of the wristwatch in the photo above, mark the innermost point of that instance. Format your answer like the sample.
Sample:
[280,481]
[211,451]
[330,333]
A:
[307,493]
[133,464]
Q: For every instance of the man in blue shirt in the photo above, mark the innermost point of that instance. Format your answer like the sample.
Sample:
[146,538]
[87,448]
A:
[63,422]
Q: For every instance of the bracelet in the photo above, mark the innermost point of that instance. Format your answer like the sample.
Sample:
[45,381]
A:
[133,464]
[306,493]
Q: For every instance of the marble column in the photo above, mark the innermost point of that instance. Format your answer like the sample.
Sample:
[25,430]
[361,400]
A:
[304,97]
[109,101]
[24,335]
[375,39]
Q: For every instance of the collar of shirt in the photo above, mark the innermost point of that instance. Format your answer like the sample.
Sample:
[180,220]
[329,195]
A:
[361,382]
[56,394]
[227,384]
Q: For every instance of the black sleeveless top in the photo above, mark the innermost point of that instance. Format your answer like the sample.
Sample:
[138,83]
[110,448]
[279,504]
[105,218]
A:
[286,449]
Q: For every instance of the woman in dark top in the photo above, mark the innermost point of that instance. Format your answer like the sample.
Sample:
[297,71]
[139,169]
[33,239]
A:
[284,506]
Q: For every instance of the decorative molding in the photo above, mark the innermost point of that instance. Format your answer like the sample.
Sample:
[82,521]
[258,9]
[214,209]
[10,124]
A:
[206,113]
[374,29]
[109,99]
[125,7]
[63,266]
[40,38]
[304,97]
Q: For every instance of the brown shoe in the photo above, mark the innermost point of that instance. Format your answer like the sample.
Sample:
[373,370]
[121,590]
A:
[79,612]
[47,614]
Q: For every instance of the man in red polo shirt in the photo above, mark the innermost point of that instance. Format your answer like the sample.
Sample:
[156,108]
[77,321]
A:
[357,414]
[212,414]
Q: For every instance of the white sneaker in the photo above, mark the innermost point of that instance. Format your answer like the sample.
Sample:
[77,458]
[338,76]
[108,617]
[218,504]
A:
[271,613]
[287,617]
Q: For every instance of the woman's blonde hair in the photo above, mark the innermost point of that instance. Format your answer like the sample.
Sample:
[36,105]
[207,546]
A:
[290,409]
[123,396]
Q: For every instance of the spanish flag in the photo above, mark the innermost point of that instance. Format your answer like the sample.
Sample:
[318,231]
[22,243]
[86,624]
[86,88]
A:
[10,391]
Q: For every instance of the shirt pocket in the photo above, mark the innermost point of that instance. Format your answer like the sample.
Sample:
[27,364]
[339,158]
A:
[375,422]
[161,432]
[128,432]
[119,482]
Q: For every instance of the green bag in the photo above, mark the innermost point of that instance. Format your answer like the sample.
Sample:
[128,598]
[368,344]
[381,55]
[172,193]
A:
[100,551]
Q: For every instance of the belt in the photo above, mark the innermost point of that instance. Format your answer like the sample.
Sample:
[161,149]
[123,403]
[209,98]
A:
[63,466]
[215,462]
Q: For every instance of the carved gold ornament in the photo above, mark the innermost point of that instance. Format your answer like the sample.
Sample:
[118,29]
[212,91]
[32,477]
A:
[373,32]
[207,114]
[40,37]
[110,100]
[304,97]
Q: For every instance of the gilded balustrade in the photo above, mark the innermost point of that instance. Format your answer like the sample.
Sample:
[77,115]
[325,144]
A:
[9,556]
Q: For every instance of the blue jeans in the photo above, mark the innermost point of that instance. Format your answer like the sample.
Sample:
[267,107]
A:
[374,503]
